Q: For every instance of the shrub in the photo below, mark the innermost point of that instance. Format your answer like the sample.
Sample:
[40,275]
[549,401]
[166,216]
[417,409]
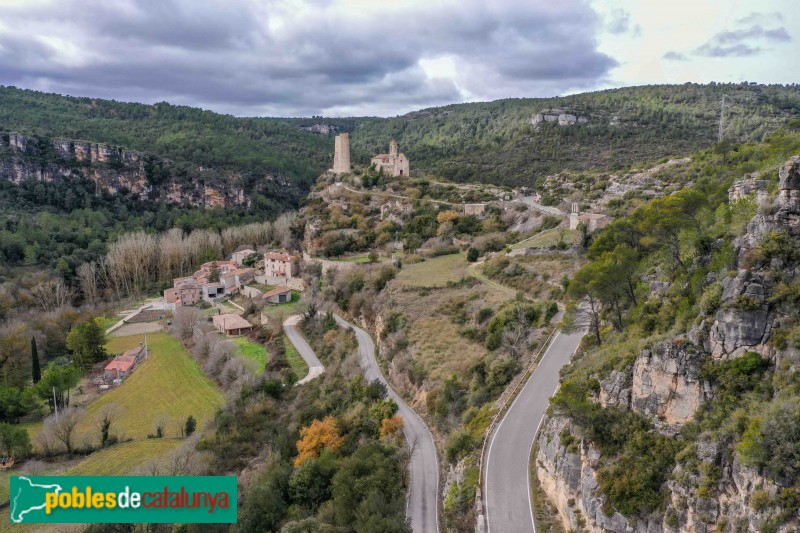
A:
[458,445]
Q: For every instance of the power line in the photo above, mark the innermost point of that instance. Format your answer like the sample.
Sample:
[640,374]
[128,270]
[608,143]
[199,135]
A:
[721,119]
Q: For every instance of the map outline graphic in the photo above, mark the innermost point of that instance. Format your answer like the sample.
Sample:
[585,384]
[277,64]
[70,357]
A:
[21,514]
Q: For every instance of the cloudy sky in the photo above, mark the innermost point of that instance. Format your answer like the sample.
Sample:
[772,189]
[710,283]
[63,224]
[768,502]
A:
[375,57]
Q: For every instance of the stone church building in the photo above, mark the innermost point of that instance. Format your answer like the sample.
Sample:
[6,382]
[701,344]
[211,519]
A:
[393,164]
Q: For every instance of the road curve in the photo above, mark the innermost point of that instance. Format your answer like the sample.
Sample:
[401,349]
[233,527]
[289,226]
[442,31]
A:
[315,368]
[423,509]
[507,486]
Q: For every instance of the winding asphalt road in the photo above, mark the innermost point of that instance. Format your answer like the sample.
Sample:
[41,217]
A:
[423,495]
[315,368]
[507,498]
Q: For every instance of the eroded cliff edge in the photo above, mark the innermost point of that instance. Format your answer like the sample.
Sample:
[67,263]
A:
[675,385]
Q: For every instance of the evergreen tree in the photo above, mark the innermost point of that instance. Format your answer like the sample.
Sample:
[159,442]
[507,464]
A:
[36,369]
[191,424]
[87,343]
[213,276]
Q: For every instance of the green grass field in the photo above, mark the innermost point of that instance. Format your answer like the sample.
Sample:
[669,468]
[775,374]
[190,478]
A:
[254,354]
[123,458]
[168,383]
[434,272]
[298,364]
[283,311]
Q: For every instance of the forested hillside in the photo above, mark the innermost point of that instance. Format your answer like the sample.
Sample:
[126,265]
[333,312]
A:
[492,142]
[77,172]
[496,142]
[180,133]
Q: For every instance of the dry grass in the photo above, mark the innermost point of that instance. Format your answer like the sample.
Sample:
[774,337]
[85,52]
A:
[550,238]
[436,272]
[169,383]
[123,458]
[435,338]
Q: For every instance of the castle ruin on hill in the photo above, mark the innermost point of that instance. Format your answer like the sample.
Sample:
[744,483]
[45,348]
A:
[394,164]
[341,154]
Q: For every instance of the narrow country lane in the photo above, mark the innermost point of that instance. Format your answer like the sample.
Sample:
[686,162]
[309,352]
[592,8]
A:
[507,489]
[423,495]
[315,368]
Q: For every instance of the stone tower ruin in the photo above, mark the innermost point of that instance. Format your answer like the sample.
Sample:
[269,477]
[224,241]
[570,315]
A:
[341,154]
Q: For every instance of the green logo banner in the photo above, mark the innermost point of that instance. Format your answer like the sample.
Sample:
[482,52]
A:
[122,499]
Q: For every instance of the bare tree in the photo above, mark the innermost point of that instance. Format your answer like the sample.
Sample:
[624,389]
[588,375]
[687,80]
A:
[34,467]
[133,261]
[516,338]
[184,322]
[89,281]
[184,461]
[283,228]
[160,426]
[109,414]
[45,441]
[172,254]
[63,425]
[52,294]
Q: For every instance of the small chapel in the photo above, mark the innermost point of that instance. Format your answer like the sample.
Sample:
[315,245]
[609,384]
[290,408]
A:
[393,163]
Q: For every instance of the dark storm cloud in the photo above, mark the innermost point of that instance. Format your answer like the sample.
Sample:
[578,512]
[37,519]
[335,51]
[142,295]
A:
[264,57]
[743,42]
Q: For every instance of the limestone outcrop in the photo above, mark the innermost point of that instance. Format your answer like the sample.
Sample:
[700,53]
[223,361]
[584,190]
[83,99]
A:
[709,488]
[112,169]
[568,473]
[666,385]
[557,116]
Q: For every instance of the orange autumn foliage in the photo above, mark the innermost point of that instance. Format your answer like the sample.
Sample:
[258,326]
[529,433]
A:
[446,216]
[391,426]
[313,438]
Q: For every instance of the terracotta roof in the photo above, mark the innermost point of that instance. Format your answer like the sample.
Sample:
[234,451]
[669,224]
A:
[281,289]
[279,256]
[122,363]
[231,321]
[210,264]
[238,272]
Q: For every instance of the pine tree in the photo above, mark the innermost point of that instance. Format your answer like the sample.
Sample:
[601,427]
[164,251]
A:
[36,369]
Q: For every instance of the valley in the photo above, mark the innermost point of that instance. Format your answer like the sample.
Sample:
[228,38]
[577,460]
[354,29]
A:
[603,309]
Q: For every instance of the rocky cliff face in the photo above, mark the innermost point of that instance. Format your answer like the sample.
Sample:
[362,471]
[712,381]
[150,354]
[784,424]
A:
[568,474]
[665,384]
[557,116]
[24,158]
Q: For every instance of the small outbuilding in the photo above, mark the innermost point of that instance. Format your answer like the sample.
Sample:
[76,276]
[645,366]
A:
[279,295]
[232,325]
[120,367]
